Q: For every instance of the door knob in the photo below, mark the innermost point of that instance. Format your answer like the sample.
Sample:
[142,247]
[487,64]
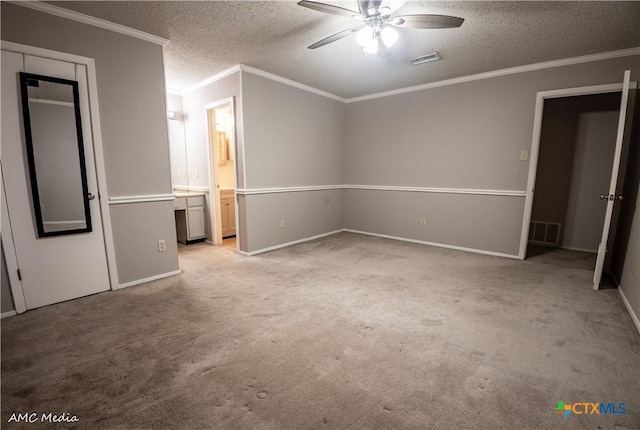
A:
[611,197]
[91,196]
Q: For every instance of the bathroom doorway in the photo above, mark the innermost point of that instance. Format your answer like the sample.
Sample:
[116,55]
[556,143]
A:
[222,159]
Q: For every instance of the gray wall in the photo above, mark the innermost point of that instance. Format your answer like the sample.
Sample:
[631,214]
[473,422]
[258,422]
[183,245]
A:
[131,92]
[467,135]
[630,279]
[306,214]
[292,138]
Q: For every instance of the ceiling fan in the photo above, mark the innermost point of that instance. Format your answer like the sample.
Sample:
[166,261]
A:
[378,23]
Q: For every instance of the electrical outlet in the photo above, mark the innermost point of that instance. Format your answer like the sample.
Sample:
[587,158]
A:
[162,246]
[281,223]
[524,155]
[423,221]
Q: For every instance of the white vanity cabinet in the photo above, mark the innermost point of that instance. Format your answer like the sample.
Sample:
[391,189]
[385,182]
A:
[190,217]
[228,212]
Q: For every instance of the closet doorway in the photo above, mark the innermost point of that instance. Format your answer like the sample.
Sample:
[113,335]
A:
[578,166]
[222,160]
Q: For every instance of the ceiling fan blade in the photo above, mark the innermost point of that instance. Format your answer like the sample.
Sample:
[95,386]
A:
[334,37]
[427,21]
[328,8]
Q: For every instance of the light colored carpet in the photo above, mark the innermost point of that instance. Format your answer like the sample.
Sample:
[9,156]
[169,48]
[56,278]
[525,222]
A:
[343,332]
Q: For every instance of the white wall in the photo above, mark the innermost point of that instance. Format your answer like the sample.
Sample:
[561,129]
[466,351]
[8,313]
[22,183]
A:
[590,177]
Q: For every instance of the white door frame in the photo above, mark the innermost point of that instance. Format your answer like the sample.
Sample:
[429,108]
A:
[10,255]
[96,130]
[535,144]
[216,234]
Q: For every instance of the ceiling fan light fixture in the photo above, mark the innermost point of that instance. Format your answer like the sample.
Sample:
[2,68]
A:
[389,36]
[372,46]
[385,11]
[365,34]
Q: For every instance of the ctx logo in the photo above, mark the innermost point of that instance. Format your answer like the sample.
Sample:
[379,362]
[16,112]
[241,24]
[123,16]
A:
[590,408]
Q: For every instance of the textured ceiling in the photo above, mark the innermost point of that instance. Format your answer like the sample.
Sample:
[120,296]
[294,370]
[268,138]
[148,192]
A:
[207,37]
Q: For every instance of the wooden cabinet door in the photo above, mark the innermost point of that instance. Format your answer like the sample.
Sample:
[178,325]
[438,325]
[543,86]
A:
[224,217]
[231,214]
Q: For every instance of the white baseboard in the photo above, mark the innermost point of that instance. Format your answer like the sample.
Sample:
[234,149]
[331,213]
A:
[439,245]
[403,239]
[633,315]
[284,245]
[149,279]
[4,315]
[573,248]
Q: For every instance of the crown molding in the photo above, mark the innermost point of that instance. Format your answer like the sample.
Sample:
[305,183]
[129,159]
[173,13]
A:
[244,68]
[211,79]
[174,92]
[291,83]
[503,72]
[90,20]
[487,75]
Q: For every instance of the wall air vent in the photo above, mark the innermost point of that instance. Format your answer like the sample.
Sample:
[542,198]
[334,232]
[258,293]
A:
[544,233]
[424,59]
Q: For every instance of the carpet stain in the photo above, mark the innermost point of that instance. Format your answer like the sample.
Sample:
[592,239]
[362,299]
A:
[431,322]
[24,393]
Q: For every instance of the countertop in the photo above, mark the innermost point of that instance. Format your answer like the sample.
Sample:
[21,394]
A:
[180,193]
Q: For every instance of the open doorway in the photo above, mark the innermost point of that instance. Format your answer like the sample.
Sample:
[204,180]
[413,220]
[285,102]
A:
[575,159]
[222,159]
[579,158]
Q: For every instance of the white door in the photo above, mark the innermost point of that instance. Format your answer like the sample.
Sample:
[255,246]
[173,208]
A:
[611,197]
[57,267]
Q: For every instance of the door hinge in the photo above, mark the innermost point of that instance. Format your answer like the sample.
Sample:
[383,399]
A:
[19,275]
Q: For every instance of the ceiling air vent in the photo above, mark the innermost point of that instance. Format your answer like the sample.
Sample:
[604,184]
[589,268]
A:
[424,59]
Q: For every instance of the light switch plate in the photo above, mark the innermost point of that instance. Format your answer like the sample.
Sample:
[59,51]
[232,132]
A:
[524,155]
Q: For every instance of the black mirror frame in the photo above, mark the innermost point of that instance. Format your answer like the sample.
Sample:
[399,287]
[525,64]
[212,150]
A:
[24,79]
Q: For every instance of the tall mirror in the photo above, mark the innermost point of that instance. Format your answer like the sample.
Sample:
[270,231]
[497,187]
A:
[53,132]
